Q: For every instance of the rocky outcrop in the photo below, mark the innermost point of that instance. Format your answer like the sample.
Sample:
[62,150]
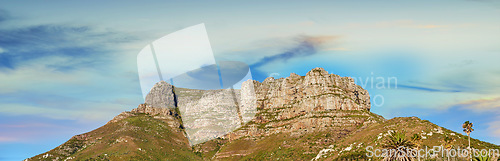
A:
[206,114]
[169,115]
[298,106]
[288,103]
[315,102]
[162,96]
[317,91]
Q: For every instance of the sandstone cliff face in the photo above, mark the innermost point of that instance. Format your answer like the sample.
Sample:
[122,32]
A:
[315,102]
[206,114]
[291,104]
[162,96]
[317,91]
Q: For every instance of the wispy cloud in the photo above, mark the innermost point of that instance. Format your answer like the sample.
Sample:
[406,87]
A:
[430,26]
[485,104]
[7,139]
[4,15]
[472,78]
[106,110]
[79,45]
[38,91]
[427,89]
[2,50]
[306,46]
[399,23]
[66,72]
[337,49]
[494,127]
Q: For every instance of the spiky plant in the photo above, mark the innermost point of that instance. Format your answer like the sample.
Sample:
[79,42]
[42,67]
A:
[416,138]
[448,144]
[482,158]
[400,148]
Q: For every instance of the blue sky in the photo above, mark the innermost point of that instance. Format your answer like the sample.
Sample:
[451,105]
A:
[69,67]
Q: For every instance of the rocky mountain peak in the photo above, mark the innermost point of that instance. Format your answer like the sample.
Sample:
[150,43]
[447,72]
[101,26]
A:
[162,96]
[305,104]
[317,71]
[268,79]
[293,75]
[316,91]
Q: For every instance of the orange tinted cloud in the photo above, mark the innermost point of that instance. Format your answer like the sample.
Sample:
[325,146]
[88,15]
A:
[320,39]
[495,127]
[7,139]
[483,104]
[431,26]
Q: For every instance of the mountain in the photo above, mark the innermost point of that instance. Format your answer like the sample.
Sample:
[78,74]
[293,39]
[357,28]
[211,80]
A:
[145,133]
[319,116]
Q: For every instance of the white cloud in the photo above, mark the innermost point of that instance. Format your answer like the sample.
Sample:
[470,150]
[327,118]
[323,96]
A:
[491,104]
[83,94]
[494,127]
[2,50]
[7,139]
[88,111]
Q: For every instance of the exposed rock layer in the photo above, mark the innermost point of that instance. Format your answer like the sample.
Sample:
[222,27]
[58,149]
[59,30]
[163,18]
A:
[317,91]
[162,95]
[209,114]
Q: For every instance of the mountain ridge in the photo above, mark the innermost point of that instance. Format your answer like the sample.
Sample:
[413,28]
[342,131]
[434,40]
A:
[316,116]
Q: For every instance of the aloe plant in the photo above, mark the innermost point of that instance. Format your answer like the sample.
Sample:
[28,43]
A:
[448,144]
[398,143]
[482,158]
[416,138]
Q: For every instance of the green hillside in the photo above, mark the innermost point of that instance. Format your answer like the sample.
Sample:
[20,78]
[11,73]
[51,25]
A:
[342,143]
[136,137]
[140,136]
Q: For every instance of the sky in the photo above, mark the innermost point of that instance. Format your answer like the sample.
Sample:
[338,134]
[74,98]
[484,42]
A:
[67,68]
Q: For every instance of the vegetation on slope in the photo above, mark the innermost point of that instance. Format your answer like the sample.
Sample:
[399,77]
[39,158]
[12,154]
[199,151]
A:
[138,137]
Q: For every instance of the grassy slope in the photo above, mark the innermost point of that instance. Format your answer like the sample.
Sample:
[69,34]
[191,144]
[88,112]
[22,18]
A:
[287,146]
[374,135]
[305,147]
[158,141]
[139,137]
